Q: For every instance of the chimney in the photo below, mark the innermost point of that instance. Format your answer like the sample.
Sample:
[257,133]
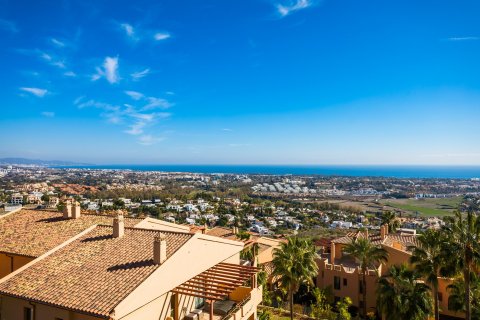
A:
[118,226]
[67,211]
[332,253]
[383,231]
[159,249]
[366,233]
[76,210]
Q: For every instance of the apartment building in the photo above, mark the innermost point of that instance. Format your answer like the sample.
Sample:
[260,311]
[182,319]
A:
[343,274]
[80,266]
[16,198]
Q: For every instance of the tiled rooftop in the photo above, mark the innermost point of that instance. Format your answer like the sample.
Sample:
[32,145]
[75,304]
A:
[93,273]
[34,232]
[227,233]
[405,239]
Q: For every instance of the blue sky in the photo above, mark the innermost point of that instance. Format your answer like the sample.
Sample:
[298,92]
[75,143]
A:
[241,82]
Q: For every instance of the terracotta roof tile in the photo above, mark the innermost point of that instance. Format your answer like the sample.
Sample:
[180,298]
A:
[25,232]
[93,273]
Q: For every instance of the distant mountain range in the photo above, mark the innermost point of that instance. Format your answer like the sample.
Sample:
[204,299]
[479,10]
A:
[36,162]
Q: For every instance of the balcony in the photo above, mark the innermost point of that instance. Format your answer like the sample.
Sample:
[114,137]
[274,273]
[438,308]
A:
[230,291]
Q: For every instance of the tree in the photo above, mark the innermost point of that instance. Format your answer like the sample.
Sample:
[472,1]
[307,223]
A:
[401,295]
[369,256]
[456,300]
[428,258]
[294,264]
[321,309]
[463,248]
[390,218]
[342,308]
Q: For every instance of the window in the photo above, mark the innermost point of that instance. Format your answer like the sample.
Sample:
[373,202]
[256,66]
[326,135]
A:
[450,304]
[336,283]
[344,282]
[440,297]
[360,286]
[27,313]
[199,302]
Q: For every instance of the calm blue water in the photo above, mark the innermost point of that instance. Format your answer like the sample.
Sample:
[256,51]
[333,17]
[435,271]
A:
[355,171]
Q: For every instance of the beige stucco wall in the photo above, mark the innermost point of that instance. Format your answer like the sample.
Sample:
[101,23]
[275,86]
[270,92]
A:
[200,253]
[326,276]
[443,305]
[160,308]
[12,309]
[6,263]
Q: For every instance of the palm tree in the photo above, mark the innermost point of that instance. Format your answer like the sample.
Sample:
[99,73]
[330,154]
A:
[428,258]
[401,295]
[294,264]
[390,218]
[456,300]
[463,248]
[369,256]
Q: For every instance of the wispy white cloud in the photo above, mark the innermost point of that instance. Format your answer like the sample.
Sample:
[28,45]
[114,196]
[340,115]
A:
[286,8]
[136,76]
[48,114]
[227,130]
[161,36]
[148,140]
[129,31]
[35,91]
[70,74]
[78,100]
[60,64]
[96,104]
[154,103]
[136,128]
[8,26]
[134,95]
[136,121]
[109,70]
[51,59]
[463,38]
[57,43]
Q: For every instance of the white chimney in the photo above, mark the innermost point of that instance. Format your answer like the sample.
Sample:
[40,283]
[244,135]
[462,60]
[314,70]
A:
[118,226]
[76,210]
[159,249]
[67,210]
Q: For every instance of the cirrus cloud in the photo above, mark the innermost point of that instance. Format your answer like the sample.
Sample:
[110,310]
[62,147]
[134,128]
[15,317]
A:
[35,91]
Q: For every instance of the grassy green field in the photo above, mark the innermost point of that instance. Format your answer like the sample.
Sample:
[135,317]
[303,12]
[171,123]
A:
[425,207]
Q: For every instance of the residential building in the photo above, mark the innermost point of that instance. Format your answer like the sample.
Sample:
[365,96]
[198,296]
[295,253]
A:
[343,275]
[16,198]
[129,269]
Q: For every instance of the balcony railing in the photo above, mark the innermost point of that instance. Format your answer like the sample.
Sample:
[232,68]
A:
[245,307]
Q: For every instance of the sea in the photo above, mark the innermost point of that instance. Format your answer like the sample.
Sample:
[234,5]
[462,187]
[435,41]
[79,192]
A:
[450,172]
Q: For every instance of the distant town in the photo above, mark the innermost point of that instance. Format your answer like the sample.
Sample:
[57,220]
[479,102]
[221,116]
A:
[269,205]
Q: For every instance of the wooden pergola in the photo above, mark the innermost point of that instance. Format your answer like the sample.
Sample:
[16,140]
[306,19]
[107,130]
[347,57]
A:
[216,283]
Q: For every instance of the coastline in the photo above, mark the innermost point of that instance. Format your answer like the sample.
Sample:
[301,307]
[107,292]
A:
[401,172]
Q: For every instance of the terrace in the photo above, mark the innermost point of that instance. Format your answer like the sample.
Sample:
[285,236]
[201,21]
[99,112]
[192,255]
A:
[230,290]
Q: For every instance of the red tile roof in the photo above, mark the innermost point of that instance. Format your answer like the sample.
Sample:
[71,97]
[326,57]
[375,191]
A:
[25,232]
[94,273]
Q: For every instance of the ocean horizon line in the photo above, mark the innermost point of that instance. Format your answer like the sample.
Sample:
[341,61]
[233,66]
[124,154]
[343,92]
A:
[391,171]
